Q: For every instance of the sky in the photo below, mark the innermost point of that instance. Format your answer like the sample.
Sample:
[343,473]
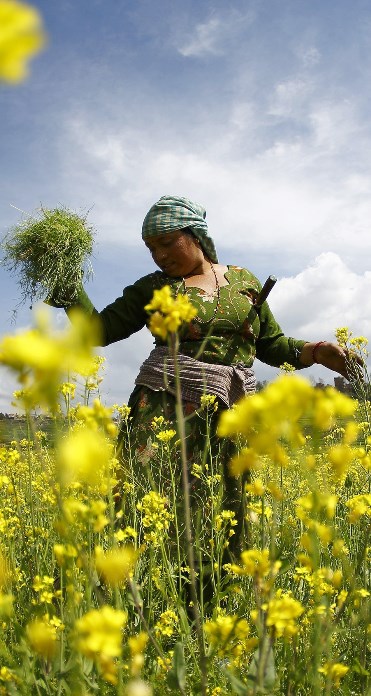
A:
[257,109]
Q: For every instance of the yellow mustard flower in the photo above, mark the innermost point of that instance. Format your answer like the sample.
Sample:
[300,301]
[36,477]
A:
[244,461]
[123,411]
[168,312]
[21,37]
[126,533]
[41,357]
[255,488]
[227,633]
[167,624]
[6,605]
[359,506]
[7,675]
[255,563]
[42,637]
[275,414]
[115,565]
[137,645]
[5,574]
[225,518]
[84,455]
[208,401]
[99,637]
[166,435]
[282,614]
[334,671]
[64,553]
[340,458]
[156,517]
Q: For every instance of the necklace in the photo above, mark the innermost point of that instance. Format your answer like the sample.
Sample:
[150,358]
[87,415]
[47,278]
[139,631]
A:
[217,288]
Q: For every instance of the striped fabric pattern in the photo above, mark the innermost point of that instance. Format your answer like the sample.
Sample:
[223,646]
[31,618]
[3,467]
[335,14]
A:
[172,213]
[228,383]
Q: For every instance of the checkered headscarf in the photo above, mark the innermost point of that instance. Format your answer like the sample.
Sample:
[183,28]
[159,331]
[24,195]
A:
[174,213]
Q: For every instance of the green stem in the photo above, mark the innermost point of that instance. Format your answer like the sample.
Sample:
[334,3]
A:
[187,515]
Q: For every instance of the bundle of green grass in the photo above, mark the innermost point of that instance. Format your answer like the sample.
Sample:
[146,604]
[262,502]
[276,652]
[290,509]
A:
[49,253]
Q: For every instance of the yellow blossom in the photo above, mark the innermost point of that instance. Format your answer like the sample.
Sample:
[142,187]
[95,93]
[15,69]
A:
[40,356]
[334,671]
[64,552]
[167,624]
[127,533]
[208,401]
[7,675]
[340,457]
[116,565]
[282,613]
[358,506]
[256,488]
[4,571]
[244,461]
[137,645]
[223,518]
[84,455]
[156,516]
[166,435]
[339,548]
[168,312]
[99,637]
[123,411]
[42,637]
[21,37]
[275,414]
[6,605]
[227,633]
[254,562]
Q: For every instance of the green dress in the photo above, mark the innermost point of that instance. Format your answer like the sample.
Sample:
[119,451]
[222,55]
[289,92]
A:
[237,333]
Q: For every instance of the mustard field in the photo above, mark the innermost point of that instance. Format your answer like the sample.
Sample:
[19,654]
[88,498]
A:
[97,583]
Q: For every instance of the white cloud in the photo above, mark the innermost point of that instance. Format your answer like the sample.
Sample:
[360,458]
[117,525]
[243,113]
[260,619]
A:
[212,36]
[323,297]
[312,304]
[289,96]
[310,57]
[204,39]
[281,201]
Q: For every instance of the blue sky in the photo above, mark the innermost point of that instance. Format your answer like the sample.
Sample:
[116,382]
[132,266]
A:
[258,110]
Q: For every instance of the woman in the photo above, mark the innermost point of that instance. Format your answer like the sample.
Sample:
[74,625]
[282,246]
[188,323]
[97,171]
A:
[217,348]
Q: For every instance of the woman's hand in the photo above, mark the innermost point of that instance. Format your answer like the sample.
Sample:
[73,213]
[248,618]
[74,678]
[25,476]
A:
[331,356]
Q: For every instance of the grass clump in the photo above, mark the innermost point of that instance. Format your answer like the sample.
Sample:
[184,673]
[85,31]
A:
[49,254]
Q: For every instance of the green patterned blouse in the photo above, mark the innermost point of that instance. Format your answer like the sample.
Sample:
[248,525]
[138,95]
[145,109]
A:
[237,333]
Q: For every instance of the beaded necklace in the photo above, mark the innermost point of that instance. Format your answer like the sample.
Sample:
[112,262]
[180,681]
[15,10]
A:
[217,288]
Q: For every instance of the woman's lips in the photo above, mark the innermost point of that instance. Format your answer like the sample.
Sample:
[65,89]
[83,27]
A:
[168,267]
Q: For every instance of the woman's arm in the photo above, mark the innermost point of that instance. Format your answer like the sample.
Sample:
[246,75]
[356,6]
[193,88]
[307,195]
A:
[121,318]
[330,355]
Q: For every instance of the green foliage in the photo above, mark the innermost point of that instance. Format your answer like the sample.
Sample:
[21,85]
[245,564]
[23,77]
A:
[49,254]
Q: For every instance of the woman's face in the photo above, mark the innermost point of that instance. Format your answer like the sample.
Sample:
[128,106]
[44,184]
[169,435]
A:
[177,253]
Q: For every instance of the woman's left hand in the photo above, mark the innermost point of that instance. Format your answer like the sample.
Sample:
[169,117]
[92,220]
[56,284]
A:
[332,356]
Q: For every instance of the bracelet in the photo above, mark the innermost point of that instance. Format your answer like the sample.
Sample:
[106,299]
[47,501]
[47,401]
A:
[314,350]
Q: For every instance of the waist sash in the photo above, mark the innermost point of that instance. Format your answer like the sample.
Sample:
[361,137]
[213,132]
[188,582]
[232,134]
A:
[228,382]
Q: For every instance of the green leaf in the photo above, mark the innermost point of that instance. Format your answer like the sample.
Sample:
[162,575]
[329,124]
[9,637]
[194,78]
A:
[41,682]
[237,686]
[269,676]
[176,678]
[359,669]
